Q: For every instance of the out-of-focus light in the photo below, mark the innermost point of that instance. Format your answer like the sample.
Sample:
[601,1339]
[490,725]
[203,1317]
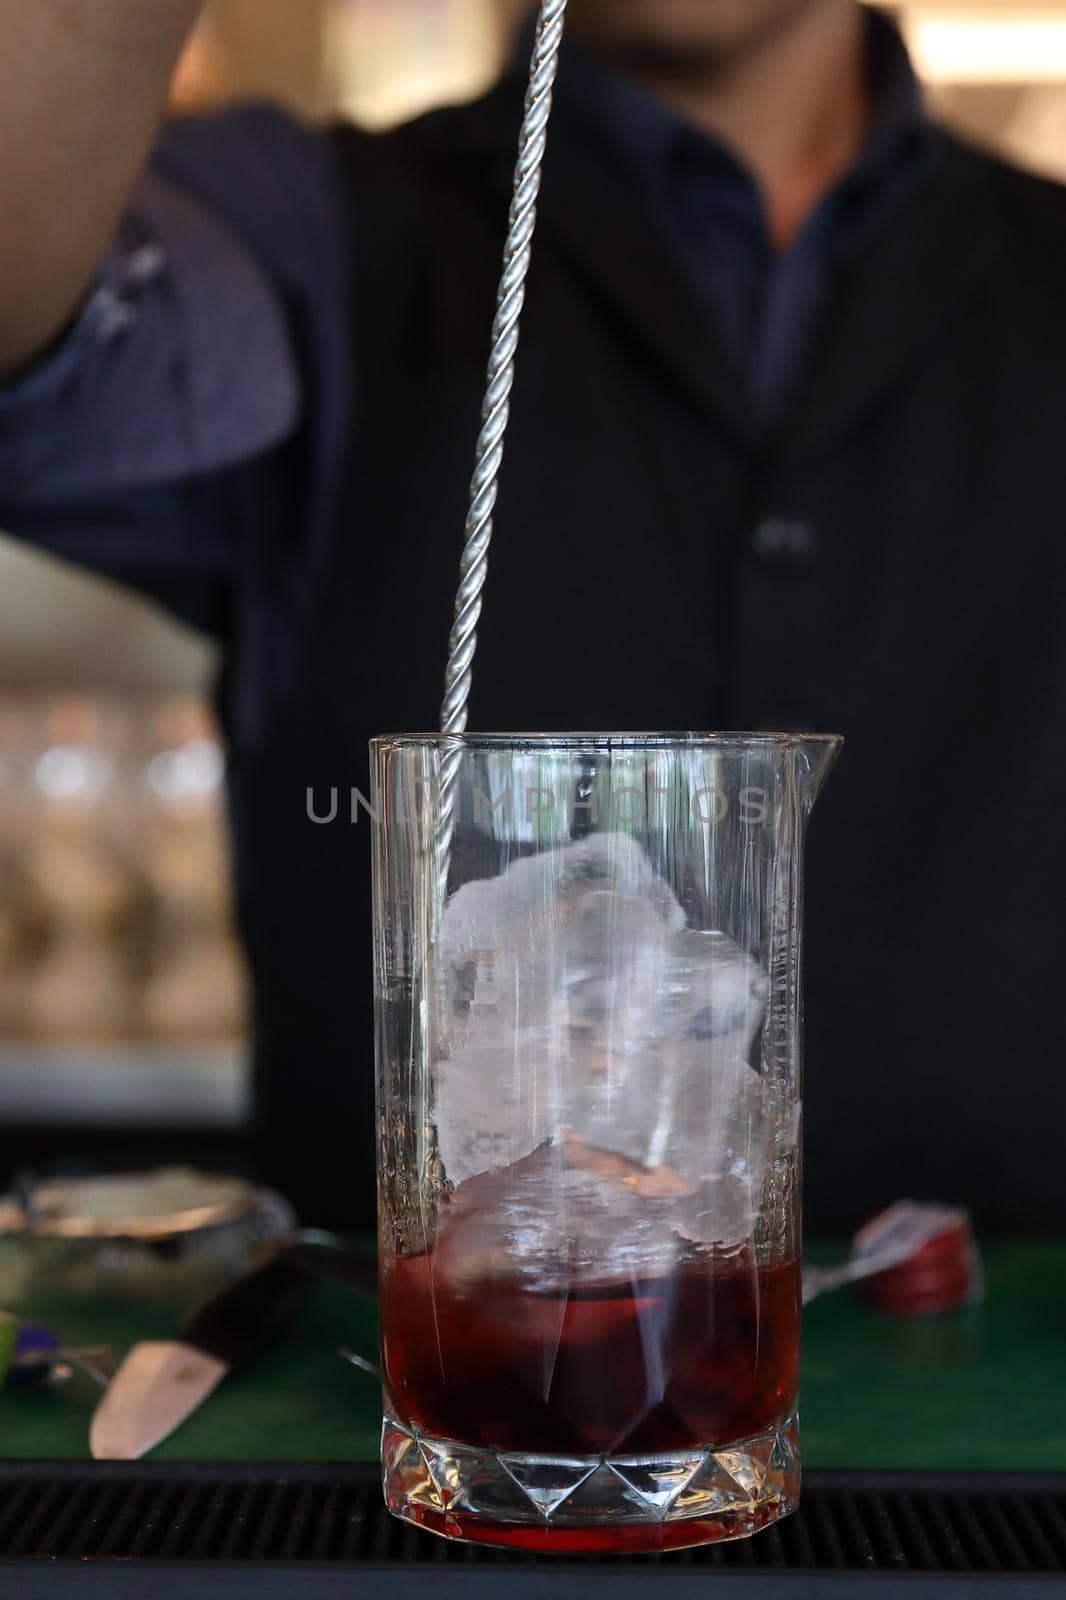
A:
[392,59]
[72,772]
[190,773]
[979,46]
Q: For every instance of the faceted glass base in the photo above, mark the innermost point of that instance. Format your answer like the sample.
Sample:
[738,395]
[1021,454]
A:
[623,1504]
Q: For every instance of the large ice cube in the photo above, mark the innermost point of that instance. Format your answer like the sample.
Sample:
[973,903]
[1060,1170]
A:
[500,942]
[582,1017]
[561,1216]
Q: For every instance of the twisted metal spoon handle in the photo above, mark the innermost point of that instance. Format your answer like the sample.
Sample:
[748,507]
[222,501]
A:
[496,408]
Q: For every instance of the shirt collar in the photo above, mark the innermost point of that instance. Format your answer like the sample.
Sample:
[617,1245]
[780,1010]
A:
[901,134]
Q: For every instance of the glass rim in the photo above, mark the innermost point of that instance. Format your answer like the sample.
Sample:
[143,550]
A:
[603,741]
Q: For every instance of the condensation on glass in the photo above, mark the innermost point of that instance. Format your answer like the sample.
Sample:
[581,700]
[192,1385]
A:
[588,1042]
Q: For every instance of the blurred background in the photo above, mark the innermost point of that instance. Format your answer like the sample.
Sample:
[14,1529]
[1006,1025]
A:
[122,993]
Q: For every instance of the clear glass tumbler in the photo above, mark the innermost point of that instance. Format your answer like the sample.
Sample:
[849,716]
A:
[588,1037]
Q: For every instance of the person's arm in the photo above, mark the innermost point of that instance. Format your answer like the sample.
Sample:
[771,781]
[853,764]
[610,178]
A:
[185,434]
[82,86]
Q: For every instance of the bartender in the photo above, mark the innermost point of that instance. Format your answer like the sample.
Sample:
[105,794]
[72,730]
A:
[786,454]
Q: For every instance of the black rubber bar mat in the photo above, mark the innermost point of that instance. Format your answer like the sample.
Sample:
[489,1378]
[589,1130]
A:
[218,1532]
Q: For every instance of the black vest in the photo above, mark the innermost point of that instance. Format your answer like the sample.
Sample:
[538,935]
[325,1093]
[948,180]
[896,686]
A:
[888,565]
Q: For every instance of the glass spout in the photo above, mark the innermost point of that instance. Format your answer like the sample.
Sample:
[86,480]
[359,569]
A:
[816,757]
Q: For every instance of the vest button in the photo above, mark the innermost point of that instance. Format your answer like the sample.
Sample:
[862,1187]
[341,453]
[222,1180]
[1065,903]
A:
[784,544]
